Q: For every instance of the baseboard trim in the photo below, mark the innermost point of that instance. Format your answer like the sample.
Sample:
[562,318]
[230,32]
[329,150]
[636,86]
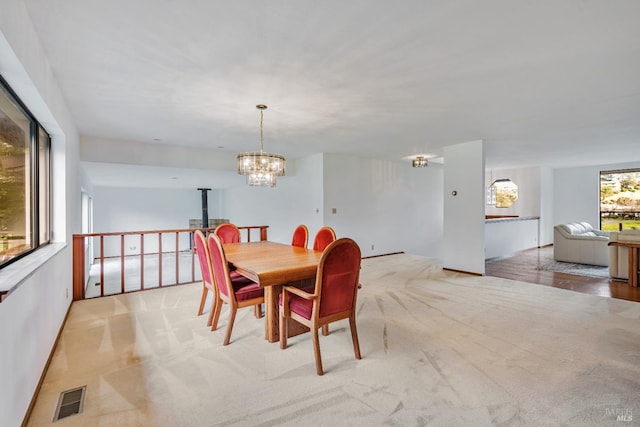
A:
[462,271]
[376,256]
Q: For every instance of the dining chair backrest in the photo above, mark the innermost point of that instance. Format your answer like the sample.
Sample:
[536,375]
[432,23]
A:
[300,236]
[323,238]
[338,276]
[228,233]
[219,264]
[208,282]
[202,250]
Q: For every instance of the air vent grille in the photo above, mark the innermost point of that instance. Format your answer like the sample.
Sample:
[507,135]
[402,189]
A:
[70,403]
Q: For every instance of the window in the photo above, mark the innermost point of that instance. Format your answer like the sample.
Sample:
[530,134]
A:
[502,193]
[25,149]
[620,200]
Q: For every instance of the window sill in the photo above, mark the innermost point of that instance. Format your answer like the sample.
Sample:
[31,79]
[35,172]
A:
[14,274]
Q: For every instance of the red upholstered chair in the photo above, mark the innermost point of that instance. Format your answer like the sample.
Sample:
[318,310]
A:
[334,296]
[238,293]
[324,236]
[300,236]
[228,233]
[200,243]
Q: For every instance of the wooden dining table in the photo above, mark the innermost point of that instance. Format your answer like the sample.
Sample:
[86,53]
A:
[273,265]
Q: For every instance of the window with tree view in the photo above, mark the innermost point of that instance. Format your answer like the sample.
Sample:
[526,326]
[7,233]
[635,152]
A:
[620,200]
[24,179]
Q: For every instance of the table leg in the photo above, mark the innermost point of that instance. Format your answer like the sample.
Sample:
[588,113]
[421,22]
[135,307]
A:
[271,312]
[633,267]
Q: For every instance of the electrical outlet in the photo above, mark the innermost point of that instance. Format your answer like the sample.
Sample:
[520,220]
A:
[334,210]
[133,248]
[372,247]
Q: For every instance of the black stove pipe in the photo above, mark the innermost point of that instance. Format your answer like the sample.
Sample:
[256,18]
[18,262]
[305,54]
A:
[205,207]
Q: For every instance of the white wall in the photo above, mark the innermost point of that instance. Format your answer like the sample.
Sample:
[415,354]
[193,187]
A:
[295,200]
[139,209]
[546,206]
[528,182]
[577,196]
[389,205]
[535,197]
[94,149]
[134,209]
[32,315]
[385,204]
[507,236]
[464,203]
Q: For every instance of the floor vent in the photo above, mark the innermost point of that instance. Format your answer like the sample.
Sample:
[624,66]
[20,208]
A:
[70,403]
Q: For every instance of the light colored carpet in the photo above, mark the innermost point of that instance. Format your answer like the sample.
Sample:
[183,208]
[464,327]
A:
[576,269]
[439,349]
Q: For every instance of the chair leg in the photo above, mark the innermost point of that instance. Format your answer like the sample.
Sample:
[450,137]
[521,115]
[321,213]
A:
[217,307]
[212,310]
[203,299]
[316,350]
[354,336]
[257,311]
[282,330]
[325,329]
[232,318]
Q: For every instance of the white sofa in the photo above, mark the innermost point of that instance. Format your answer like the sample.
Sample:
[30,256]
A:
[578,242]
[619,255]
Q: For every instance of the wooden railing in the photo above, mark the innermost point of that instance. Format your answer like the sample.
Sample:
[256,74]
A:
[161,245]
[624,214]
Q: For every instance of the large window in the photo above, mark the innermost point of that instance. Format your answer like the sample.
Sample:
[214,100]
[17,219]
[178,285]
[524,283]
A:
[620,200]
[24,179]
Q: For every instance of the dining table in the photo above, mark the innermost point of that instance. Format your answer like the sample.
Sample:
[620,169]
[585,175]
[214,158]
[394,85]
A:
[273,265]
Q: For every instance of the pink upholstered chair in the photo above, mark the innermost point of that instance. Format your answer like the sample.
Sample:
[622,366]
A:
[239,293]
[228,233]
[200,243]
[300,236]
[334,296]
[323,238]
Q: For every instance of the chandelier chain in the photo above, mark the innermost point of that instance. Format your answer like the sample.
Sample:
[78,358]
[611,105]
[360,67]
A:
[261,137]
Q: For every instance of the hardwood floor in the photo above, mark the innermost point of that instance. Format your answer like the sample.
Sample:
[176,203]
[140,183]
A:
[524,266]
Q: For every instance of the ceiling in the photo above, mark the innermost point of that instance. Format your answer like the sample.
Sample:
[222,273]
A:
[542,83]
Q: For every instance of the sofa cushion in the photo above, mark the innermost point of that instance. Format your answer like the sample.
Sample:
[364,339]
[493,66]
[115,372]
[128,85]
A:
[576,228]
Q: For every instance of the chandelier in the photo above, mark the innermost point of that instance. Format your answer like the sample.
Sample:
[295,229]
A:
[260,168]
[420,162]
